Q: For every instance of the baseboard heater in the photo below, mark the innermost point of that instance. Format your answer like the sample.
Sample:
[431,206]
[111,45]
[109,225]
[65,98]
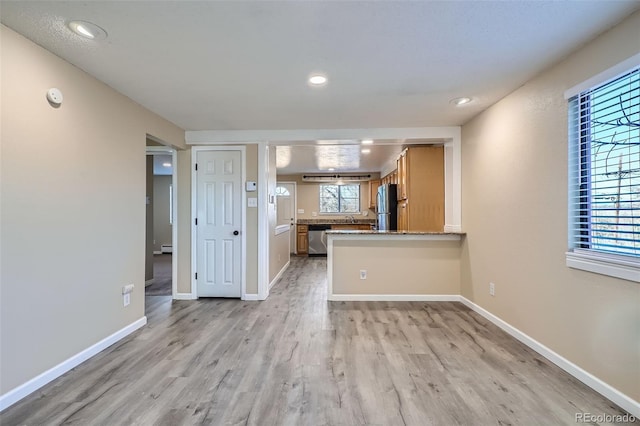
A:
[166,248]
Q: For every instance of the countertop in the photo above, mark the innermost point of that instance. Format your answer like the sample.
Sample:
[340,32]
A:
[358,232]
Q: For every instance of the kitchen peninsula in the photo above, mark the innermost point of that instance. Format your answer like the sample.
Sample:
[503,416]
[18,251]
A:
[393,266]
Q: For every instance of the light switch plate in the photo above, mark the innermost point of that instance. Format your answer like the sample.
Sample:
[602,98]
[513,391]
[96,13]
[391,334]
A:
[252,202]
[300,211]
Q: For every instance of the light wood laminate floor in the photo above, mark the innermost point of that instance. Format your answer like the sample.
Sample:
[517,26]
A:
[297,359]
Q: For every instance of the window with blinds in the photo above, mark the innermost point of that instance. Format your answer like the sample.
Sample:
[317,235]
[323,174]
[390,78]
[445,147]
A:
[604,178]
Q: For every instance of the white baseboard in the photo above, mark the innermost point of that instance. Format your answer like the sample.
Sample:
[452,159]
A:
[183,296]
[284,268]
[253,296]
[395,297]
[39,381]
[619,398]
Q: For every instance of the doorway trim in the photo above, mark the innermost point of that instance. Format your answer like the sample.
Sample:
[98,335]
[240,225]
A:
[194,208]
[155,150]
[295,212]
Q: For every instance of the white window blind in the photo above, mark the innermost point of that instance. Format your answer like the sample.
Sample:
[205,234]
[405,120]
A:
[604,172]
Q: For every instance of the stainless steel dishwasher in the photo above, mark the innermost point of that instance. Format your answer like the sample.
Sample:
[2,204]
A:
[318,240]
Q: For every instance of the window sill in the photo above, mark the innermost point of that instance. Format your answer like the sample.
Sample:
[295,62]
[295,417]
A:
[611,265]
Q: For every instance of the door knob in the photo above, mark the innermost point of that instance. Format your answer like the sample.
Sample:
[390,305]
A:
[236,232]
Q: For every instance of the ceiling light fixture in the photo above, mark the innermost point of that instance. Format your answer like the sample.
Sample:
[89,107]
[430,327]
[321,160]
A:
[365,151]
[331,169]
[367,141]
[166,164]
[460,101]
[317,80]
[87,30]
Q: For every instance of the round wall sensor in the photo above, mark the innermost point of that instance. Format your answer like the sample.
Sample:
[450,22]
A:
[54,96]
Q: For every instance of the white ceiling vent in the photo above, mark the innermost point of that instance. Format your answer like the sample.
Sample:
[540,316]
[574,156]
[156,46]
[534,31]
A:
[335,178]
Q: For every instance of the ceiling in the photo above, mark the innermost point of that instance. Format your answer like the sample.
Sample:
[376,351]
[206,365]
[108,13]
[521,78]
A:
[334,156]
[244,65]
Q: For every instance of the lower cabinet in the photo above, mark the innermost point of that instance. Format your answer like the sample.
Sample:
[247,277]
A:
[403,219]
[303,239]
[351,227]
[302,234]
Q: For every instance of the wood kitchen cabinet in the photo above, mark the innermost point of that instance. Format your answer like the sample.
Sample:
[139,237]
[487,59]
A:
[303,239]
[373,193]
[391,178]
[351,226]
[421,189]
[401,177]
[403,224]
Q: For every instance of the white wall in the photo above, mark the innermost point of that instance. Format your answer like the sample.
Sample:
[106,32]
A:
[514,180]
[73,231]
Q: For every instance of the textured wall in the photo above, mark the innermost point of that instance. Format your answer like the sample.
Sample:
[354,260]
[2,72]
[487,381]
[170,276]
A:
[73,231]
[514,171]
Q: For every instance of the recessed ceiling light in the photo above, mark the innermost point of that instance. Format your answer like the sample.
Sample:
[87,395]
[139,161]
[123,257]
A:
[367,141]
[317,80]
[87,30]
[365,151]
[331,169]
[166,164]
[460,101]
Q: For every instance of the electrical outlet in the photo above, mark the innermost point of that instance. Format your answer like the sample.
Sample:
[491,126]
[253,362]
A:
[126,299]
[363,274]
[492,289]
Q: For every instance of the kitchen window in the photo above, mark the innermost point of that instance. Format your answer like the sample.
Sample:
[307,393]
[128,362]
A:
[340,198]
[604,178]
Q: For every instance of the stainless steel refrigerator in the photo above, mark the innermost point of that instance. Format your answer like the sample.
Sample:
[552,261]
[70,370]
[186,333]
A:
[387,207]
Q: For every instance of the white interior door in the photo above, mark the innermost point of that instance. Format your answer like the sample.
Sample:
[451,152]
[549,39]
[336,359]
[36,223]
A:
[286,193]
[218,224]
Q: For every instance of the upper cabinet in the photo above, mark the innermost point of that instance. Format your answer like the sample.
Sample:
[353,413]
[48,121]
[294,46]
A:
[420,179]
[402,175]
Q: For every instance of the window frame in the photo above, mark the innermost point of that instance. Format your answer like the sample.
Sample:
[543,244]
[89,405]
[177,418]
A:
[339,186]
[578,257]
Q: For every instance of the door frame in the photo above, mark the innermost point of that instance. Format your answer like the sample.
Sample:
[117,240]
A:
[158,150]
[194,199]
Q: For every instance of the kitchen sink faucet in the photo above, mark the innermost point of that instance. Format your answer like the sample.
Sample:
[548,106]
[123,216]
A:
[351,218]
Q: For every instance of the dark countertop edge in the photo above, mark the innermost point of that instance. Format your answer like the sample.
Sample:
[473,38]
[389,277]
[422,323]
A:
[357,232]
[335,222]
